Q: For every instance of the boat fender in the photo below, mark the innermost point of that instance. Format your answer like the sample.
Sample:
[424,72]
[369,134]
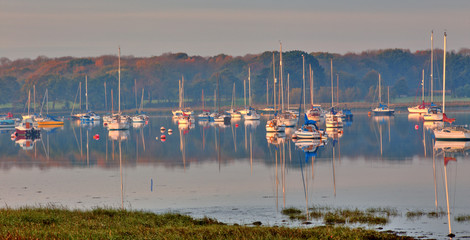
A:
[271,124]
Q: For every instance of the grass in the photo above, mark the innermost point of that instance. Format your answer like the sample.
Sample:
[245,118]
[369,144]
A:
[59,223]
[463,218]
[377,216]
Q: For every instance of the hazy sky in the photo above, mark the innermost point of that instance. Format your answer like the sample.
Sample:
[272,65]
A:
[208,27]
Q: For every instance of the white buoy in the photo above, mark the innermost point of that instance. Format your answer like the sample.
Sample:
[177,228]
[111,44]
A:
[156,138]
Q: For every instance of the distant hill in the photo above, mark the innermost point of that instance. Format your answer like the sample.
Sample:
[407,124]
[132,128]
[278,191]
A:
[159,76]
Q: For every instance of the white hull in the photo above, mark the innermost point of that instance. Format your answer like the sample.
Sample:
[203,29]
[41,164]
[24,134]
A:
[417,110]
[118,126]
[433,117]
[452,133]
[275,126]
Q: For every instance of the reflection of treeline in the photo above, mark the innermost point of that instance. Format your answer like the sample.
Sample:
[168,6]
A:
[159,76]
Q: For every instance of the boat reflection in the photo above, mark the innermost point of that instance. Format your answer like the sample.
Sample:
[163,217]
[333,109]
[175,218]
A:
[276,138]
[121,135]
[449,150]
[334,133]
[26,143]
[431,125]
[253,124]
[415,117]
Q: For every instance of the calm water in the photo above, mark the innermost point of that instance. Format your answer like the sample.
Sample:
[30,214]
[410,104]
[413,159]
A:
[238,174]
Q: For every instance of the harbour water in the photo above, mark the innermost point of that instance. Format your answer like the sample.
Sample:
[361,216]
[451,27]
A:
[238,174]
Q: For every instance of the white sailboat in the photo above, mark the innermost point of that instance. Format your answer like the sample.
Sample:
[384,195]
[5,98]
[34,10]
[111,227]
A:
[333,118]
[424,108]
[119,122]
[182,109]
[382,109]
[88,116]
[251,113]
[233,112]
[141,117]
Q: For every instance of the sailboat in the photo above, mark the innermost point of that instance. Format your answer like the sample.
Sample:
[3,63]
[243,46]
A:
[48,121]
[89,115]
[141,117]
[315,112]
[333,118]
[424,108]
[251,113]
[220,117]
[233,112]
[181,110]
[286,118]
[77,116]
[118,122]
[309,130]
[382,109]
[274,125]
[205,115]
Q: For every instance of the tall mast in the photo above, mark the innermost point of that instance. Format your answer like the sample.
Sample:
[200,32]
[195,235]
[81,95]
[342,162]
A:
[422,86]
[34,98]
[288,89]
[135,92]
[249,85]
[47,103]
[218,94]
[380,93]
[29,100]
[119,81]
[311,83]
[80,87]
[274,80]
[444,76]
[244,91]
[331,75]
[105,98]
[112,102]
[432,66]
[86,92]
[179,93]
[303,75]
[337,89]
[203,100]
[281,88]
[233,95]
[182,91]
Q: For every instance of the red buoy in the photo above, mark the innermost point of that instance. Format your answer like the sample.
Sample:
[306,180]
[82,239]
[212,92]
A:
[236,125]
[416,126]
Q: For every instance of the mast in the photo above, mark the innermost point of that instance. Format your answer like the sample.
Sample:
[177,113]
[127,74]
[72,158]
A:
[303,75]
[337,89]
[119,81]
[202,96]
[249,85]
[380,95]
[281,88]
[142,102]
[179,93]
[288,89]
[34,98]
[182,91]
[29,100]
[274,80]
[105,98]
[311,84]
[432,66]
[135,92]
[244,91]
[218,94]
[80,87]
[331,75]
[233,95]
[422,84]
[444,76]
[86,92]
[112,102]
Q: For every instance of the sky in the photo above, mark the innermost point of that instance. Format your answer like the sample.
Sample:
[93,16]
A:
[144,28]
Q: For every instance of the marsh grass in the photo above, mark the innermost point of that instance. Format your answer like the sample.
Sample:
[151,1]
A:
[60,223]
[463,218]
[342,216]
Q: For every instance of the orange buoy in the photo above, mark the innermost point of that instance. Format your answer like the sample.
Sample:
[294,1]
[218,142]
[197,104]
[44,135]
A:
[369,113]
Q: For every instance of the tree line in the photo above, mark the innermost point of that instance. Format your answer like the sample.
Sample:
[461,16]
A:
[354,74]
